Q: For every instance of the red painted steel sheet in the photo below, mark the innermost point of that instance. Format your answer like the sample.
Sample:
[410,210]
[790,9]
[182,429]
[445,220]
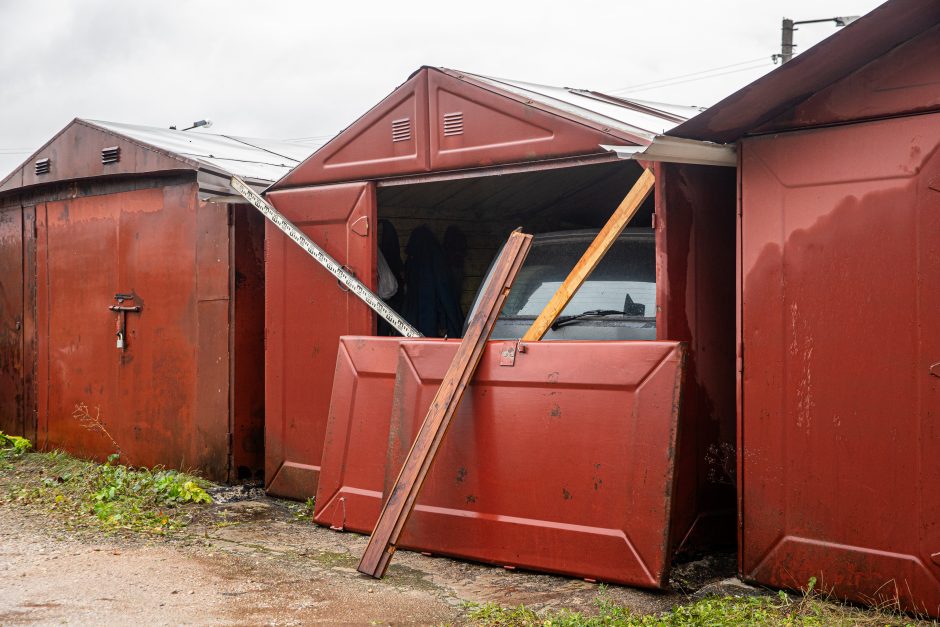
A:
[390,139]
[494,128]
[164,399]
[352,472]
[840,435]
[696,232]
[306,312]
[405,134]
[898,82]
[562,462]
[75,153]
[13,409]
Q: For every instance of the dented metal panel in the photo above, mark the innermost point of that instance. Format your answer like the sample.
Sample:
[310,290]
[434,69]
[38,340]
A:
[306,311]
[562,462]
[840,400]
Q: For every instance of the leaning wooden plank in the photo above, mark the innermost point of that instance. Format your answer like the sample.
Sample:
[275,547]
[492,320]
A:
[592,256]
[404,493]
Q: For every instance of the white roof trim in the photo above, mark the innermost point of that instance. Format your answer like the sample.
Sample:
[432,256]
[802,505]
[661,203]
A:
[679,150]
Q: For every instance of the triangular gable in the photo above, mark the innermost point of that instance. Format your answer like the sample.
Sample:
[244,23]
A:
[903,81]
[441,120]
[76,153]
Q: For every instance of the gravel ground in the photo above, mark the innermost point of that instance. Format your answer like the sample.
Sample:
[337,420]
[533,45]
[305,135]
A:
[253,562]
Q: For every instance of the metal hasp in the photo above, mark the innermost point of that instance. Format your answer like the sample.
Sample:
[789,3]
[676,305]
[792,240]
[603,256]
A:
[122,311]
[345,279]
[404,494]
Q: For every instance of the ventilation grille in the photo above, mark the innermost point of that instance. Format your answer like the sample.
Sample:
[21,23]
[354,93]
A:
[43,166]
[110,155]
[453,123]
[401,130]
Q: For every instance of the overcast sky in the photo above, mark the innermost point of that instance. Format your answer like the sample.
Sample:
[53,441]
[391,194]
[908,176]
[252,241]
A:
[304,70]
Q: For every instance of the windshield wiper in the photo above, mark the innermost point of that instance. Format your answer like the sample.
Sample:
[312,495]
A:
[593,313]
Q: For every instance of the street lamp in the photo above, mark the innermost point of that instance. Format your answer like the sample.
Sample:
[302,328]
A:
[786,38]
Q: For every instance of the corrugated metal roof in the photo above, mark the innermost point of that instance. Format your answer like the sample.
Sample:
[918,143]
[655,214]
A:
[639,117]
[251,158]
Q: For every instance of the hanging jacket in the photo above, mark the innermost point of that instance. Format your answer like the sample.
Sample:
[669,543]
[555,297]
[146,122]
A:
[430,304]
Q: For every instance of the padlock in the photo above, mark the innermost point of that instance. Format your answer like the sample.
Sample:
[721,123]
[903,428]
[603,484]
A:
[120,340]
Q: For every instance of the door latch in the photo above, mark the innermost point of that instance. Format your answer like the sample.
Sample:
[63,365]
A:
[507,356]
[122,310]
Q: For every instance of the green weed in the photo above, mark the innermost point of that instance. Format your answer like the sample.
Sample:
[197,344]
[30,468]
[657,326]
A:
[13,445]
[304,511]
[773,611]
[111,495]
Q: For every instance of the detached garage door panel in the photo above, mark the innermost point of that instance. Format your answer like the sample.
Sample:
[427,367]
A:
[562,461]
[306,312]
[841,387]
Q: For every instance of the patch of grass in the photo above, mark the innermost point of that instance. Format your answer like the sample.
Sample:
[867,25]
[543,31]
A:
[12,446]
[109,495]
[808,611]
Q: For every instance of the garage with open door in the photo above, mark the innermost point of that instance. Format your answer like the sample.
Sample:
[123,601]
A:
[435,177]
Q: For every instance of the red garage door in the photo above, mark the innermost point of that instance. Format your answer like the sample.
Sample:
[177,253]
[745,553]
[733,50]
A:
[840,429]
[306,312]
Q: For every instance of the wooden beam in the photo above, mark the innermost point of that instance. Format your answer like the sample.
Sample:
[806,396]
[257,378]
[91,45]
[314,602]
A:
[404,493]
[592,256]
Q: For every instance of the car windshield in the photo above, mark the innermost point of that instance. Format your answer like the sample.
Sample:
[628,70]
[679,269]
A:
[624,280]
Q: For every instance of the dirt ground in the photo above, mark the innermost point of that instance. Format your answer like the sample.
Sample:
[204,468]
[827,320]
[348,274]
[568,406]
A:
[254,562]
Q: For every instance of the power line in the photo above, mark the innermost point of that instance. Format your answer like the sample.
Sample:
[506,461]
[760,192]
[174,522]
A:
[650,84]
[311,138]
[702,78]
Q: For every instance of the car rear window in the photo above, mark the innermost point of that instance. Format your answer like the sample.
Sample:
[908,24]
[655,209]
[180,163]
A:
[625,276]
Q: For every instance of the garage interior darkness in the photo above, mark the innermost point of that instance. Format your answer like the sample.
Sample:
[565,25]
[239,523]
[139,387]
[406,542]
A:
[471,217]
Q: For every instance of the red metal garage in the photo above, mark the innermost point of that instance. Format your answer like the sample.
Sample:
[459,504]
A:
[839,289]
[111,215]
[451,148]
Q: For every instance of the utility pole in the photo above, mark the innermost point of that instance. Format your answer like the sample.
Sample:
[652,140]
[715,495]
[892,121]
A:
[789,26]
[786,40]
